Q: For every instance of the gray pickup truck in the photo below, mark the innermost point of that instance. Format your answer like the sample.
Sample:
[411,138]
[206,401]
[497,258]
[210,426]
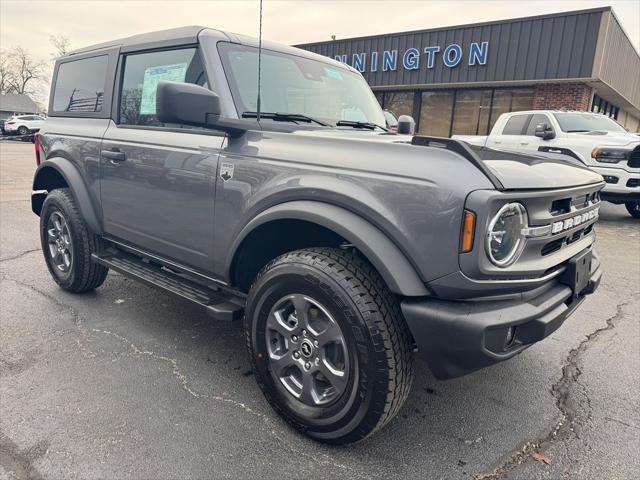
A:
[344,247]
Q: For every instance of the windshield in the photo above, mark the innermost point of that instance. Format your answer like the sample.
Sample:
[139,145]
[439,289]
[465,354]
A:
[586,122]
[297,85]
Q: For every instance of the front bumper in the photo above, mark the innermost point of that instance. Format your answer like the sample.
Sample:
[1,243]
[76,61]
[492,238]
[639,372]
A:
[458,337]
[617,197]
[625,186]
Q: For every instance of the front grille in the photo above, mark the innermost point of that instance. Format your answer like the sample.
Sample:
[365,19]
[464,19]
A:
[634,158]
[558,243]
[633,182]
[553,246]
[563,210]
[562,206]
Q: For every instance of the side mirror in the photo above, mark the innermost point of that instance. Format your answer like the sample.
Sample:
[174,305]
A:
[406,125]
[544,131]
[189,104]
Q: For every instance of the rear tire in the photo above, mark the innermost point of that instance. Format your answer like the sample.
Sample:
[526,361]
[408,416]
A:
[23,130]
[67,244]
[341,293]
[633,208]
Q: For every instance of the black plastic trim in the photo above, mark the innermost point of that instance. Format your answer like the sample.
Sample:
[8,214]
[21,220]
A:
[459,337]
[462,149]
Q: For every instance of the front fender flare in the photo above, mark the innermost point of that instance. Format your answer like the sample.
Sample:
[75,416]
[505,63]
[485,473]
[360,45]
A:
[385,256]
[76,184]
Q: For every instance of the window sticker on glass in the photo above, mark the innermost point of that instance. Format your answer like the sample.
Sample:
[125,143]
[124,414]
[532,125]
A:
[331,73]
[152,76]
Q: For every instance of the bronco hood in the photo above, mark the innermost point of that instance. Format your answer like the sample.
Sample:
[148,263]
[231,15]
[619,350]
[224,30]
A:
[516,171]
[506,170]
[535,171]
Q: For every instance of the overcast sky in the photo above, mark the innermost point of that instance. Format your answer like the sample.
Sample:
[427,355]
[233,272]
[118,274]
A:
[84,22]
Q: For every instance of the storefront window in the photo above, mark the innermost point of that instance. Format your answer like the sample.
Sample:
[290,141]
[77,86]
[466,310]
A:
[400,103]
[521,100]
[514,100]
[435,114]
[471,115]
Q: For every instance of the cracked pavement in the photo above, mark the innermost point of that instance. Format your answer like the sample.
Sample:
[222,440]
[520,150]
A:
[127,382]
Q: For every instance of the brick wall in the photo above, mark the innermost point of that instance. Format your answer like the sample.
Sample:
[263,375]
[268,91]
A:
[562,96]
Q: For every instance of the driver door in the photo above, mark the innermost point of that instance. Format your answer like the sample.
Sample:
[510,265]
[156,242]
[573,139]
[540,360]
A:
[157,182]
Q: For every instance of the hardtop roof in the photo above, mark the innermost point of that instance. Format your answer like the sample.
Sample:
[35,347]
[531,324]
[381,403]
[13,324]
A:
[189,35]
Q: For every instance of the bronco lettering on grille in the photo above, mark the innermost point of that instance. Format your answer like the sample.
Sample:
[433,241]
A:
[569,223]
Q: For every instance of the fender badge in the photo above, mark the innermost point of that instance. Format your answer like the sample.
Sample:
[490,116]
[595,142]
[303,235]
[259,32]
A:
[226,171]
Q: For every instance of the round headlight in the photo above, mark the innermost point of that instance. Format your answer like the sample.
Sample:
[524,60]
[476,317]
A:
[505,239]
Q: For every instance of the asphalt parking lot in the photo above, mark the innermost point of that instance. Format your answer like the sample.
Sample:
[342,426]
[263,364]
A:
[129,383]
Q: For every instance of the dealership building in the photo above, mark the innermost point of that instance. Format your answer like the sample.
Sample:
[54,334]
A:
[458,80]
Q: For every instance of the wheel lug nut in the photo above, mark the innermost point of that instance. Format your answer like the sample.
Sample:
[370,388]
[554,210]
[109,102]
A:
[294,338]
[304,333]
[316,343]
[317,360]
[296,354]
[307,365]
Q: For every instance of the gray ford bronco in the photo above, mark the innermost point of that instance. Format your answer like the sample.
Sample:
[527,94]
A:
[343,247]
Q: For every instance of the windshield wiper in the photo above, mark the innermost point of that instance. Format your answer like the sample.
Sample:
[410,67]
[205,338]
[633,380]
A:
[285,117]
[354,124]
[577,131]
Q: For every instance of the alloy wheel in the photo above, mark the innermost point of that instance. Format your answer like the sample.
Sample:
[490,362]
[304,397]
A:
[59,242]
[308,356]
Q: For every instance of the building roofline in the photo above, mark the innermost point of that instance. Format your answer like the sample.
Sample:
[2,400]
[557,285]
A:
[615,17]
[466,25]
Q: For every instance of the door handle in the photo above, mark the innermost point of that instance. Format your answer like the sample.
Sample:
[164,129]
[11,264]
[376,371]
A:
[114,156]
[497,142]
[524,143]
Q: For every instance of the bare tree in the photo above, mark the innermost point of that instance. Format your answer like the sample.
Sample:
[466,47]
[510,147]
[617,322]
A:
[5,72]
[60,43]
[20,72]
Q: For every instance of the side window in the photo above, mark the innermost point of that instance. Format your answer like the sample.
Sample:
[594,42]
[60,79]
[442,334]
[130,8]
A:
[537,119]
[143,71]
[80,85]
[515,125]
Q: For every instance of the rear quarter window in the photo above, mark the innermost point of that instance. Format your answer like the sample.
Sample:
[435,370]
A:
[80,85]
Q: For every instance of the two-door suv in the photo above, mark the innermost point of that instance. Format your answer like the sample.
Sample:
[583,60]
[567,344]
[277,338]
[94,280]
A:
[282,200]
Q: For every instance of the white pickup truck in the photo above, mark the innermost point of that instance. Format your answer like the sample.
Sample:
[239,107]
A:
[596,140]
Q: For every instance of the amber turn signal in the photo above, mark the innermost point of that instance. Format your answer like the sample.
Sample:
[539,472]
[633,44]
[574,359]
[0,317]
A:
[468,230]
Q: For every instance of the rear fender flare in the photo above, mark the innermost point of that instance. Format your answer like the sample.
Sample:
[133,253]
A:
[76,184]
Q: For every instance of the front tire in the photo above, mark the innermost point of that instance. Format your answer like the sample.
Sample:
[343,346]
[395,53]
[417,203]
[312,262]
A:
[633,208]
[23,130]
[67,244]
[328,343]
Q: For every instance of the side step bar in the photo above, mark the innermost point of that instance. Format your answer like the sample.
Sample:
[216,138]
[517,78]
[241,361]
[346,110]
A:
[218,304]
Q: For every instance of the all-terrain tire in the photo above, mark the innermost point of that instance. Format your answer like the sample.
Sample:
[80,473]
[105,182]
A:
[633,208]
[82,275]
[374,330]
